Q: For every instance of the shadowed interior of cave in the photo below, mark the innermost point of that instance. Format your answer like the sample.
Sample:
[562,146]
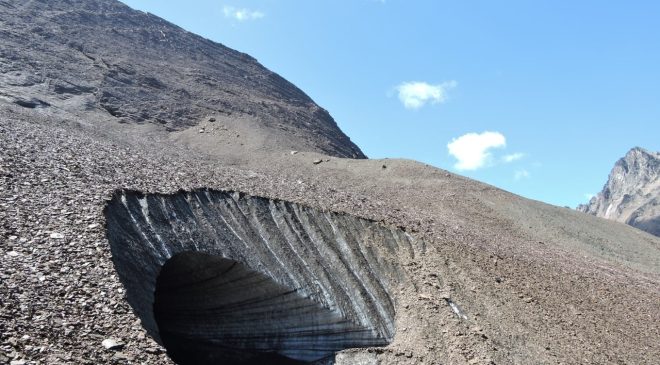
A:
[213,310]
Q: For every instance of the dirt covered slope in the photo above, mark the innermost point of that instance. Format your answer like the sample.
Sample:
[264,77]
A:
[100,57]
[537,283]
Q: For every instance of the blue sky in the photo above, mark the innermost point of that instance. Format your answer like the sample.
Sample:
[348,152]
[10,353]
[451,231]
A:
[536,97]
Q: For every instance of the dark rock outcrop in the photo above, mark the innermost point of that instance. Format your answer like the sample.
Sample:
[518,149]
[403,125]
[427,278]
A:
[86,56]
[632,192]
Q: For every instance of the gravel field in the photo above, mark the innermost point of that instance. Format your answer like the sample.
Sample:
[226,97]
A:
[539,284]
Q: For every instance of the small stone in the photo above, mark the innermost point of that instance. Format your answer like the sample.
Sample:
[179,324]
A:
[528,300]
[11,238]
[93,225]
[112,344]
[424,297]
[445,294]
[56,235]
[384,166]
[294,152]
[12,253]
[211,119]
[317,161]
[201,130]
[122,356]
[17,362]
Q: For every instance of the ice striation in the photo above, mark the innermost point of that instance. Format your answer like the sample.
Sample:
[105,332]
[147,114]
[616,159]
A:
[227,277]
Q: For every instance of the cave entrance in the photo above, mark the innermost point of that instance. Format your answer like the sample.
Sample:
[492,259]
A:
[213,310]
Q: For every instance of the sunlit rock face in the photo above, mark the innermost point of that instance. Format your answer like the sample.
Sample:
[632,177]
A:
[225,277]
[632,192]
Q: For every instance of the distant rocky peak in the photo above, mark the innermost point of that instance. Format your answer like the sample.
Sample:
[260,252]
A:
[640,161]
[633,173]
[632,192]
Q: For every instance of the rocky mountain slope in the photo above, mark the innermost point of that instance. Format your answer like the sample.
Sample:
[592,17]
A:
[632,192]
[103,213]
[102,57]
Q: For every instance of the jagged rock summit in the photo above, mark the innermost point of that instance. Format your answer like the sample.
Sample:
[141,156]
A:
[632,192]
[101,59]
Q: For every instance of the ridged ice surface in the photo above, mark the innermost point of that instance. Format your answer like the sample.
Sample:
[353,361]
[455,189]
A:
[229,276]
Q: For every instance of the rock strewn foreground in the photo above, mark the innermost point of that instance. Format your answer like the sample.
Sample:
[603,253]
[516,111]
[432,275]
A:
[531,281]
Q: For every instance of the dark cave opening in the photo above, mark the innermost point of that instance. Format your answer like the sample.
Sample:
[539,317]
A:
[213,310]
[226,278]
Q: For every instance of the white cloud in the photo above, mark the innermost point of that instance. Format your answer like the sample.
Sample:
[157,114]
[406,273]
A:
[513,157]
[521,174]
[242,14]
[416,94]
[472,150]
